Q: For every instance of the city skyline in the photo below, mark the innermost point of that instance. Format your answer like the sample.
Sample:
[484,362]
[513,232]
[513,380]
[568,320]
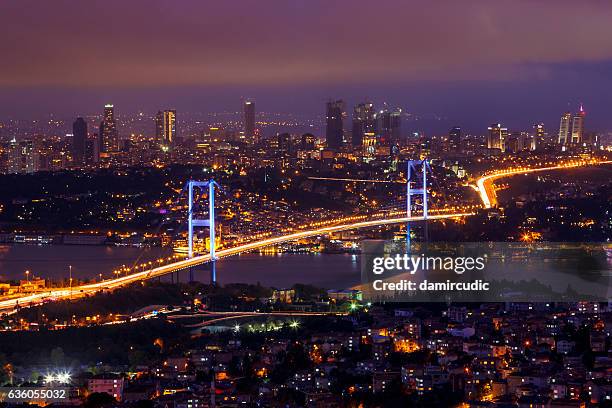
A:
[417,66]
[306,203]
[408,123]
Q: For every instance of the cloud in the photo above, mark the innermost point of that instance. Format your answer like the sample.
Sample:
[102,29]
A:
[192,42]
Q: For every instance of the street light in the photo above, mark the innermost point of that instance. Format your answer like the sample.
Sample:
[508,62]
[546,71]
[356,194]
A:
[70,271]
[27,276]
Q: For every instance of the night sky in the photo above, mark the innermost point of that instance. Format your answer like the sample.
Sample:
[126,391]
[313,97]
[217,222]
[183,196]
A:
[472,62]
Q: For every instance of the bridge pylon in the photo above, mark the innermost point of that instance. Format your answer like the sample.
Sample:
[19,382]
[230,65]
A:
[192,222]
[418,168]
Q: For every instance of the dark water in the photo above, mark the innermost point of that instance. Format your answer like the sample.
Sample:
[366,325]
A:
[52,261]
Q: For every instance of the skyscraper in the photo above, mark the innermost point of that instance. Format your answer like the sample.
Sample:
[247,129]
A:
[79,140]
[364,121]
[159,127]
[389,126]
[109,138]
[249,121]
[517,142]
[539,136]
[165,127]
[578,126]
[334,130]
[454,138]
[571,128]
[496,139]
[564,128]
[283,142]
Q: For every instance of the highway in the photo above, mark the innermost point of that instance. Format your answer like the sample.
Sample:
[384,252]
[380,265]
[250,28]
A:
[484,185]
[8,306]
[486,189]
[223,316]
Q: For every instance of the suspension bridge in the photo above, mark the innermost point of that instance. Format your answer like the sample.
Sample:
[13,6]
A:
[483,185]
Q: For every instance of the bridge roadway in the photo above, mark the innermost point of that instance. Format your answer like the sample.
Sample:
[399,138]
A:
[8,306]
[487,190]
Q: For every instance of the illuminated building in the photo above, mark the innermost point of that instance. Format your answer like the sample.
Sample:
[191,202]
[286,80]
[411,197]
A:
[578,126]
[539,136]
[165,127]
[249,121]
[281,143]
[454,138]
[334,129]
[496,139]
[571,128]
[364,121]
[369,144]
[159,127]
[539,130]
[79,141]
[308,141]
[109,137]
[517,142]
[389,126]
[92,149]
[21,157]
[107,383]
[564,128]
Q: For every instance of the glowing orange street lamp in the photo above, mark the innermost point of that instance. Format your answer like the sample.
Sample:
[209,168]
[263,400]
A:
[70,272]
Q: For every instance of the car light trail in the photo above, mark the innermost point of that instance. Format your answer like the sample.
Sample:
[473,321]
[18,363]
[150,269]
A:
[485,183]
[9,305]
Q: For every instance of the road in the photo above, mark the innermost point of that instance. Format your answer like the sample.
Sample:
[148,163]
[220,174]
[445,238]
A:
[486,189]
[484,185]
[223,316]
[7,306]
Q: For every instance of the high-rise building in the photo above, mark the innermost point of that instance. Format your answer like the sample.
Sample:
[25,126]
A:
[281,143]
[496,139]
[389,126]
[578,126]
[517,142]
[334,131]
[364,121]
[565,128]
[109,137]
[21,157]
[165,127]
[454,138]
[159,127]
[92,149]
[79,141]
[539,136]
[571,128]
[249,121]
[539,131]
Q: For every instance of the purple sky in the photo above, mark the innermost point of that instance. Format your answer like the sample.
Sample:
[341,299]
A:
[472,61]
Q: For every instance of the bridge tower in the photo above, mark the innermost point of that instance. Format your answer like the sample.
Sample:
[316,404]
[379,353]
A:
[192,222]
[417,167]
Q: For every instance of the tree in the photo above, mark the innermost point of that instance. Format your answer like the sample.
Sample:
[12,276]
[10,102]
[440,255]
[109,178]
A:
[57,356]
[98,399]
